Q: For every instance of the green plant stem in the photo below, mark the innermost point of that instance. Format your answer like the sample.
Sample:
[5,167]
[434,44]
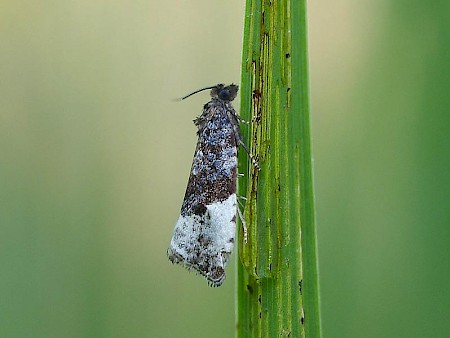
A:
[277,288]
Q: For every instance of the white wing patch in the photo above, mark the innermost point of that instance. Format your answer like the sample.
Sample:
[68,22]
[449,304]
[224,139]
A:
[204,243]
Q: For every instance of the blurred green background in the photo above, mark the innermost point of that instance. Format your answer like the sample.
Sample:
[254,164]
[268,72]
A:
[95,158]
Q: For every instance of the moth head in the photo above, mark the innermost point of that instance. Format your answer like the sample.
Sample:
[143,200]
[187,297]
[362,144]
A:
[225,93]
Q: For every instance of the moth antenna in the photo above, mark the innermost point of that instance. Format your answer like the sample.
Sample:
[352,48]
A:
[197,91]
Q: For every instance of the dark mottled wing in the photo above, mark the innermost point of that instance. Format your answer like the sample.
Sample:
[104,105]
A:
[204,235]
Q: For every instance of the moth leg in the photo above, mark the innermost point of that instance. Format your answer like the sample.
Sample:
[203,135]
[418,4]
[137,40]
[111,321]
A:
[238,138]
[244,225]
[253,120]
[244,121]
[252,158]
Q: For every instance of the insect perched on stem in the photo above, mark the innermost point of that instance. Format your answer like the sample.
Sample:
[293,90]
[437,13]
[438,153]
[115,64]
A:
[205,232]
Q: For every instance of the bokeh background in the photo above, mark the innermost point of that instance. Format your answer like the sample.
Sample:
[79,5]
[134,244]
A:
[95,156]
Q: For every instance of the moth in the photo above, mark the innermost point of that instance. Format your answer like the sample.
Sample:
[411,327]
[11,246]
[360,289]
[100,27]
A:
[205,232]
